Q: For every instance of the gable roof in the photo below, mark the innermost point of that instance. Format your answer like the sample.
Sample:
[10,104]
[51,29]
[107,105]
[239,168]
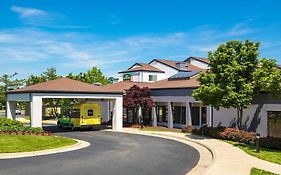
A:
[123,85]
[63,85]
[142,67]
[175,84]
[204,60]
[172,64]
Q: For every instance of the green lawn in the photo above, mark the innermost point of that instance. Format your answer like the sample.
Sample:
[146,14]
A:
[255,171]
[270,155]
[26,143]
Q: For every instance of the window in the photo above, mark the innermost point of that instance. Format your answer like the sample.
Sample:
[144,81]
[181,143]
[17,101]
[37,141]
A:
[90,112]
[274,123]
[161,114]
[152,78]
[179,114]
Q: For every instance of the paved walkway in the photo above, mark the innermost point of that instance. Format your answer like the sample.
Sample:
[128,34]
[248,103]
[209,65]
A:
[227,159]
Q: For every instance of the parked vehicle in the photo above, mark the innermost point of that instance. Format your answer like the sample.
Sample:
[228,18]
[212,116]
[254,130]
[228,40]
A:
[18,112]
[80,116]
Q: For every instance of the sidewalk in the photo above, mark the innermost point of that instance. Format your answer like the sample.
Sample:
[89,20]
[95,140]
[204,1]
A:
[51,122]
[227,159]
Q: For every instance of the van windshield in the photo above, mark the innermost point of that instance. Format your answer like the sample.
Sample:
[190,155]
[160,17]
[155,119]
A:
[74,113]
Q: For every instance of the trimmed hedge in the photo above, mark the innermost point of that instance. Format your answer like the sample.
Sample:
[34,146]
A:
[9,122]
[8,126]
[236,135]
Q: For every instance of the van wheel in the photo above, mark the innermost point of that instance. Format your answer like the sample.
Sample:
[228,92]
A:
[59,125]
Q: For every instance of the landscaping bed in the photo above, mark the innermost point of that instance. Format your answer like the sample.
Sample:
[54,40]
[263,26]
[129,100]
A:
[27,143]
[14,137]
[270,148]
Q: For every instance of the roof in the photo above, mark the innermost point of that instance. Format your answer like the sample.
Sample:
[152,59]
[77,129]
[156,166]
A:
[183,75]
[123,85]
[175,84]
[172,64]
[142,67]
[64,85]
[205,60]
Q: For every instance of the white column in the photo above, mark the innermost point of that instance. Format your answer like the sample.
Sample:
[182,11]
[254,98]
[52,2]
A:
[154,117]
[11,110]
[188,114]
[200,116]
[170,116]
[209,115]
[36,111]
[117,119]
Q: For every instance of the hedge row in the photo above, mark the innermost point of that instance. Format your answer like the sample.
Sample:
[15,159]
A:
[9,122]
[236,135]
[14,127]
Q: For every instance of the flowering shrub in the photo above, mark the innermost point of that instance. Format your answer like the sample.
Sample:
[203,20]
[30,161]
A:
[187,129]
[238,136]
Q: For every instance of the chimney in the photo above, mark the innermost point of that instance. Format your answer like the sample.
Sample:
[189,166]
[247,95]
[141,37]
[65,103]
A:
[181,65]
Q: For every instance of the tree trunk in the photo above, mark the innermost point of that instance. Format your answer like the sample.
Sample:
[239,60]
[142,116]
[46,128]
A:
[240,117]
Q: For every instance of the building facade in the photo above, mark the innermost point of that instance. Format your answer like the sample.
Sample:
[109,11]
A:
[172,82]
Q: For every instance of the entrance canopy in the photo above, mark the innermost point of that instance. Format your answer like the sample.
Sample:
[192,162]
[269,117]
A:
[63,88]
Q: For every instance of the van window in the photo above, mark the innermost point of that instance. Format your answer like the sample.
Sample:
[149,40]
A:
[90,112]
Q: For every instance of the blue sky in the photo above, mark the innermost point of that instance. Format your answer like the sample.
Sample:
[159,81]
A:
[74,35]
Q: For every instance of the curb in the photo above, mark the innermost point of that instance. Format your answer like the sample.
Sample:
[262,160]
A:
[211,150]
[79,145]
[198,168]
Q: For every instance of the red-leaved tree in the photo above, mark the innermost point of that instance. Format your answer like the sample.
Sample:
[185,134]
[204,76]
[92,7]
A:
[137,98]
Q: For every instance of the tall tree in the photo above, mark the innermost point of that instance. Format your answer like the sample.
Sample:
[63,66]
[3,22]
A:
[137,98]
[92,76]
[8,82]
[230,80]
[268,78]
[49,74]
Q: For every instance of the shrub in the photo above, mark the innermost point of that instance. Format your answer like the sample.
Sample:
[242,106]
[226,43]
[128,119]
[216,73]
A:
[8,126]
[237,135]
[240,136]
[271,142]
[187,129]
[9,122]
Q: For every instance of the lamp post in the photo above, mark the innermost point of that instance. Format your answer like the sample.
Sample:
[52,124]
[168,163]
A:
[257,142]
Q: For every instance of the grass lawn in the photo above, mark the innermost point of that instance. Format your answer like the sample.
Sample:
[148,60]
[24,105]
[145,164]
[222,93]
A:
[160,129]
[26,143]
[255,171]
[267,154]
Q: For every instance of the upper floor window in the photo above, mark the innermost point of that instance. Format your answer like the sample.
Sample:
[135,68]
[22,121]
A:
[152,78]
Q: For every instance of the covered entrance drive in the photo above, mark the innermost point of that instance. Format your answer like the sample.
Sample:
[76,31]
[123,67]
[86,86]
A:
[64,88]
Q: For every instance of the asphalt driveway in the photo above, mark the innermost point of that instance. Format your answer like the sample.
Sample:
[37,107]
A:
[110,153]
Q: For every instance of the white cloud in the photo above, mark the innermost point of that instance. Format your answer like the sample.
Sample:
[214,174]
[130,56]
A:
[28,12]
[73,51]
[40,18]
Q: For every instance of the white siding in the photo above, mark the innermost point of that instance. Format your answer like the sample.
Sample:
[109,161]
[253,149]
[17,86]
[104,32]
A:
[168,70]
[145,77]
[199,64]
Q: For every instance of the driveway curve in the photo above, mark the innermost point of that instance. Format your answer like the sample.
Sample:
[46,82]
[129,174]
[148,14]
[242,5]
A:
[110,153]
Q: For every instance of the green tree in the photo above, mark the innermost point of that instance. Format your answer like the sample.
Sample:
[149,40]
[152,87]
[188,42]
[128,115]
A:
[49,74]
[8,82]
[230,80]
[92,76]
[268,78]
